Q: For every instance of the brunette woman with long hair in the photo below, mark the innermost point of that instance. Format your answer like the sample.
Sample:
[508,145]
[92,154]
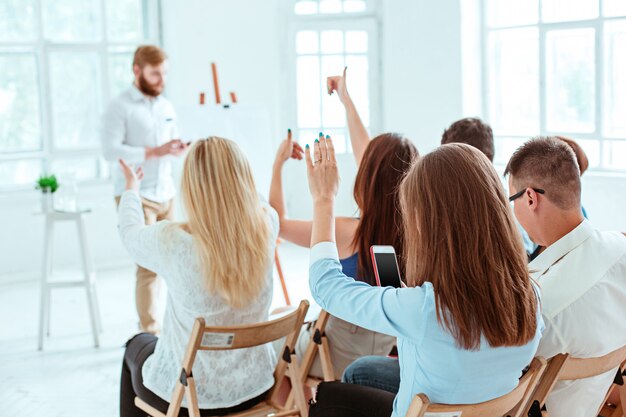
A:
[217,265]
[383,165]
[469,321]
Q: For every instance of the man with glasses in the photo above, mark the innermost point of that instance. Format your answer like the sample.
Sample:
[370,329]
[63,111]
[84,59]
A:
[582,271]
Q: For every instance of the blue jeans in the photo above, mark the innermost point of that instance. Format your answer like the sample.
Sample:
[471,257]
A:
[374,371]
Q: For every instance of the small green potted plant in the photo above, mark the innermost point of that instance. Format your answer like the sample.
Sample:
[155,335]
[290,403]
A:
[48,184]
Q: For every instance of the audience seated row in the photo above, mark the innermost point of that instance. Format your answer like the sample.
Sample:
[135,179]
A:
[473,314]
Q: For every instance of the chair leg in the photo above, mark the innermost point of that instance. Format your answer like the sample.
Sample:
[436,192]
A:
[297,387]
[87,276]
[44,303]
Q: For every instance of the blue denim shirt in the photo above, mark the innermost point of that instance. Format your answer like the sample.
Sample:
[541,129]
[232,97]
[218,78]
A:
[430,360]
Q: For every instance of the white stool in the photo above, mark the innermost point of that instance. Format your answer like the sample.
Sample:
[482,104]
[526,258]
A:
[88,281]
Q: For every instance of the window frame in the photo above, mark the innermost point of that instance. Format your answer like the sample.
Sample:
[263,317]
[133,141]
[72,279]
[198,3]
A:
[597,24]
[42,48]
[368,21]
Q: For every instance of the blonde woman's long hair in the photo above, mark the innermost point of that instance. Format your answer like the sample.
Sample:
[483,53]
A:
[226,220]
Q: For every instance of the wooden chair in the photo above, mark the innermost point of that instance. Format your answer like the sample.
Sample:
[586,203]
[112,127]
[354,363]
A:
[281,276]
[562,367]
[239,337]
[508,405]
[317,346]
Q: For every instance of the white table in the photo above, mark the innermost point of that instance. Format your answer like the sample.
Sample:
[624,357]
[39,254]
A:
[89,277]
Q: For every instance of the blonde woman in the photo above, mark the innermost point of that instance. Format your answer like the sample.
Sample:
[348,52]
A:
[217,265]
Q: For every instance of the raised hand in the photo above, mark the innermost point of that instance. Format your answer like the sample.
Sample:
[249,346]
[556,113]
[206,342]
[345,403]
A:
[322,170]
[288,149]
[133,178]
[338,83]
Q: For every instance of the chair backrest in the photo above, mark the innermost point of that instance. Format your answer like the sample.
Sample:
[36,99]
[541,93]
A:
[237,337]
[507,405]
[562,367]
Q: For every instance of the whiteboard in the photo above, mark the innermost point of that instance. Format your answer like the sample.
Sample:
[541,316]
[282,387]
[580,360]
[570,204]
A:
[247,124]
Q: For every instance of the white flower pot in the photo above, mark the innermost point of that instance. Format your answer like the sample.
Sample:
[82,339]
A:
[47,202]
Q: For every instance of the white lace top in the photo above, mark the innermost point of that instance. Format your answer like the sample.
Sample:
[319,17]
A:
[223,378]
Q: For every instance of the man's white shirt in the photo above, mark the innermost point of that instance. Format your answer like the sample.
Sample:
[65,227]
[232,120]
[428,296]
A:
[131,122]
[583,282]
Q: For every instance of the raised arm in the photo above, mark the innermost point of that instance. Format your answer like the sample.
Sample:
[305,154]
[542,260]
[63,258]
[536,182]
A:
[140,240]
[358,134]
[296,231]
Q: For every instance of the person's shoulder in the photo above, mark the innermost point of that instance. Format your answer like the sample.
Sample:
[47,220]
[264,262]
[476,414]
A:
[609,240]
[119,103]
[272,216]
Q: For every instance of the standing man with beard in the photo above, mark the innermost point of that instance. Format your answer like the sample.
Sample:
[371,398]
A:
[139,126]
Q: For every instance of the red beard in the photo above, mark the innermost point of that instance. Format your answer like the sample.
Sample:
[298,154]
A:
[147,88]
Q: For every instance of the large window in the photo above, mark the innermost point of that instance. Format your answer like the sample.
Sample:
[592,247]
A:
[557,67]
[60,62]
[326,36]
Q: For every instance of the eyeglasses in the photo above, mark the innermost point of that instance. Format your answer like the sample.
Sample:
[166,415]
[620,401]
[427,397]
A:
[521,193]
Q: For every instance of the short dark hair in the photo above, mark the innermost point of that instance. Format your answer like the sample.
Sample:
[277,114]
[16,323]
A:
[473,132]
[550,164]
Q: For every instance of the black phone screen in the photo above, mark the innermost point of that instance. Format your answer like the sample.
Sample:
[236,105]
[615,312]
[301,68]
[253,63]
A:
[387,269]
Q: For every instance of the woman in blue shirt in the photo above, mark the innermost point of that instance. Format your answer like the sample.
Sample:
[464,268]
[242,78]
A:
[469,321]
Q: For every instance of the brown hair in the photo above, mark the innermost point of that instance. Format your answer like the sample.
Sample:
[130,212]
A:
[148,55]
[461,237]
[550,164]
[386,160]
[473,132]
[581,156]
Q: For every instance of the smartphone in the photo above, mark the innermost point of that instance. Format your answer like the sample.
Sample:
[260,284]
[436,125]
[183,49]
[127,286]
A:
[386,268]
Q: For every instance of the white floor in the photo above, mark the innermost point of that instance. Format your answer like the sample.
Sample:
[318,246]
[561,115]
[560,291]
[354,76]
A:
[71,377]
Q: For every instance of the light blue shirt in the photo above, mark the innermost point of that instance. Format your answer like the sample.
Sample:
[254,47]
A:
[430,361]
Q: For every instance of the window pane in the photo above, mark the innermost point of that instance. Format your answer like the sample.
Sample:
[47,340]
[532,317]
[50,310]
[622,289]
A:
[75,169]
[614,7]
[333,114]
[512,12]
[19,173]
[307,42]
[17,20]
[358,84]
[505,146]
[615,154]
[615,78]
[570,80]
[304,136]
[330,6]
[332,41]
[20,128]
[71,20]
[591,148]
[308,81]
[339,137]
[563,10]
[120,71]
[356,41]
[354,6]
[76,84]
[124,20]
[305,7]
[514,81]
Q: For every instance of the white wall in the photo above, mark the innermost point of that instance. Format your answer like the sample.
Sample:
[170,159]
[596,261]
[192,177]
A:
[421,91]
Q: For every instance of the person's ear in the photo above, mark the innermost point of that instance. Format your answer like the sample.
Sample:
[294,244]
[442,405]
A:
[136,70]
[531,199]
